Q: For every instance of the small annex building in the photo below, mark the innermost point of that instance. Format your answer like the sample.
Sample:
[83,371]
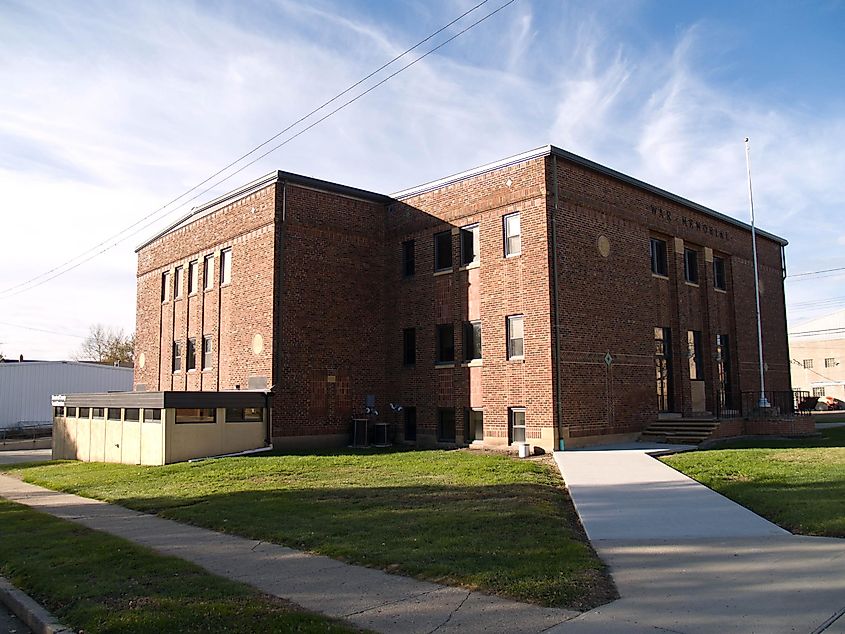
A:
[817,349]
[541,299]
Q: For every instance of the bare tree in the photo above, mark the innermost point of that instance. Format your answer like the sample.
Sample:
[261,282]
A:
[107,345]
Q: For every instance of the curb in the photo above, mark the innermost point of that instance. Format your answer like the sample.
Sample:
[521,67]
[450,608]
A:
[39,620]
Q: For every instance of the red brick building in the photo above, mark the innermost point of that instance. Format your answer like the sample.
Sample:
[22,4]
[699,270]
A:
[543,298]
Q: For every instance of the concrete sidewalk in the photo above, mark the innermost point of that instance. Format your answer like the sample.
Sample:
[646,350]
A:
[365,597]
[686,559]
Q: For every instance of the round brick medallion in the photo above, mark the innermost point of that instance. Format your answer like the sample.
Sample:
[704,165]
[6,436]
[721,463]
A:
[142,360]
[257,344]
[603,245]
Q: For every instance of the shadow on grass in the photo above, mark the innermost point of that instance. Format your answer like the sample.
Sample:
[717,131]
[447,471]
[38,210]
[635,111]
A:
[833,437]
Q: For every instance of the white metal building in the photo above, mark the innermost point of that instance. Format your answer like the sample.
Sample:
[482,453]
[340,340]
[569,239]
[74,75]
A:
[817,351]
[26,387]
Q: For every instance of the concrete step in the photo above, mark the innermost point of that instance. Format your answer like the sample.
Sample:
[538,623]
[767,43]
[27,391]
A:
[688,431]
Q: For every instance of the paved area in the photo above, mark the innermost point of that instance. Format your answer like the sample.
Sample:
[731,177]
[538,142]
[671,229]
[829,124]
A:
[17,456]
[686,559]
[11,624]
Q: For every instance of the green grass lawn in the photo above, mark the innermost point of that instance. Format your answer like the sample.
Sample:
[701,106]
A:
[481,521]
[797,484]
[98,583]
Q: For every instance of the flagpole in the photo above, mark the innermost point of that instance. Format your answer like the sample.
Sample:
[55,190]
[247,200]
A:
[763,402]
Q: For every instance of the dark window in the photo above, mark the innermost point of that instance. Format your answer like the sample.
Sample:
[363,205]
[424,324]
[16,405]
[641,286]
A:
[696,370]
[830,362]
[206,352]
[663,368]
[193,276]
[409,264]
[98,412]
[516,337]
[70,412]
[152,415]
[808,364]
[818,391]
[410,419]
[131,413]
[58,410]
[470,245]
[191,354]
[165,286]
[113,413]
[194,415]
[691,266]
[446,424]
[244,414]
[516,424]
[445,343]
[208,272]
[472,340]
[659,264]
[177,356]
[512,231]
[84,412]
[724,372]
[719,279]
[225,266]
[443,251]
[177,282]
[409,346]
[475,425]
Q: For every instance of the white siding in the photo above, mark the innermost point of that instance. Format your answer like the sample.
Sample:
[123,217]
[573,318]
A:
[26,388]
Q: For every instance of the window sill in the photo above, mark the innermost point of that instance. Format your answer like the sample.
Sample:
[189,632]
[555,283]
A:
[204,370]
[475,363]
[444,364]
[659,276]
[721,290]
[409,366]
[694,284]
[512,255]
[225,285]
[178,299]
[443,272]
[471,265]
[517,359]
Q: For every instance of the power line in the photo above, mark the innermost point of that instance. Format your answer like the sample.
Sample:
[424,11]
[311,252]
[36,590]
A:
[841,268]
[52,332]
[810,333]
[151,218]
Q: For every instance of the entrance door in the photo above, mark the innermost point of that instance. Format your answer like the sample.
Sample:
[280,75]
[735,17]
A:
[663,368]
[727,405]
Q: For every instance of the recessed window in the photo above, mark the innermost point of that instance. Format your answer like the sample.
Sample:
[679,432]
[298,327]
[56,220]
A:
[59,411]
[177,282]
[659,263]
[244,414]
[131,414]
[191,355]
[808,364]
[516,424]
[818,391]
[475,425]
[206,352]
[113,413]
[225,266]
[409,265]
[446,424]
[409,415]
[98,412]
[472,340]
[830,362]
[516,337]
[152,415]
[193,276]
[165,286]
[70,412]
[696,369]
[84,412]
[177,356]
[445,343]
[513,234]
[470,245]
[691,266]
[208,272]
[187,415]
[409,346]
[443,251]
[719,278]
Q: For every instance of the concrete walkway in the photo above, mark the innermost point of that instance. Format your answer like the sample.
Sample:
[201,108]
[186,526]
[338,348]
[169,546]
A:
[17,456]
[686,559]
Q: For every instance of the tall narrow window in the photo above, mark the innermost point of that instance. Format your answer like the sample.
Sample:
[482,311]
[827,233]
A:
[691,266]
[193,276]
[446,424]
[470,245]
[696,371]
[472,340]
[409,265]
[225,266]
[177,282]
[443,251]
[475,425]
[177,356]
[409,346]
[206,352]
[445,352]
[724,372]
[516,424]
[512,234]
[663,368]
[208,272]
[808,364]
[659,263]
[516,337]
[191,354]
[410,419]
[165,286]
[830,362]
[719,279]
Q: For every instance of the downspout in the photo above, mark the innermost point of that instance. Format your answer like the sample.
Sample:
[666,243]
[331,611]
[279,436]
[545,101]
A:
[278,276]
[556,323]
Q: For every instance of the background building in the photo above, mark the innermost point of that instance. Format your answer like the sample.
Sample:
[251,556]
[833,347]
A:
[542,298]
[817,350]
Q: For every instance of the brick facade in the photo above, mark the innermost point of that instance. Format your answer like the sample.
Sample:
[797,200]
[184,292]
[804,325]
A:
[319,300]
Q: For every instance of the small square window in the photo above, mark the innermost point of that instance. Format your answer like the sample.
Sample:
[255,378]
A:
[443,251]
[446,424]
[409,346]
[691,266]
[516,336]
[152,415]
[131,414]
[191,355]
[472,340]
[206,352]
[177,282]
[113,413]
[719,278]
[98,412]
[808,364]
[409,266]
[830,362]
[516,424]
[445,343]
[208,272]
[818,391]
[177,356]
[165,286]
[84,412]
[59,411]
[70,412]
[659,262]
[512,234]
[470,245]
[225,266]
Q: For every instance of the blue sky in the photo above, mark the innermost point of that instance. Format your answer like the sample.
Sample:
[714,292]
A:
[110,109]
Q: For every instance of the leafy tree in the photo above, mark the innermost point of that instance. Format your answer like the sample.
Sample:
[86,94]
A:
[107,345]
